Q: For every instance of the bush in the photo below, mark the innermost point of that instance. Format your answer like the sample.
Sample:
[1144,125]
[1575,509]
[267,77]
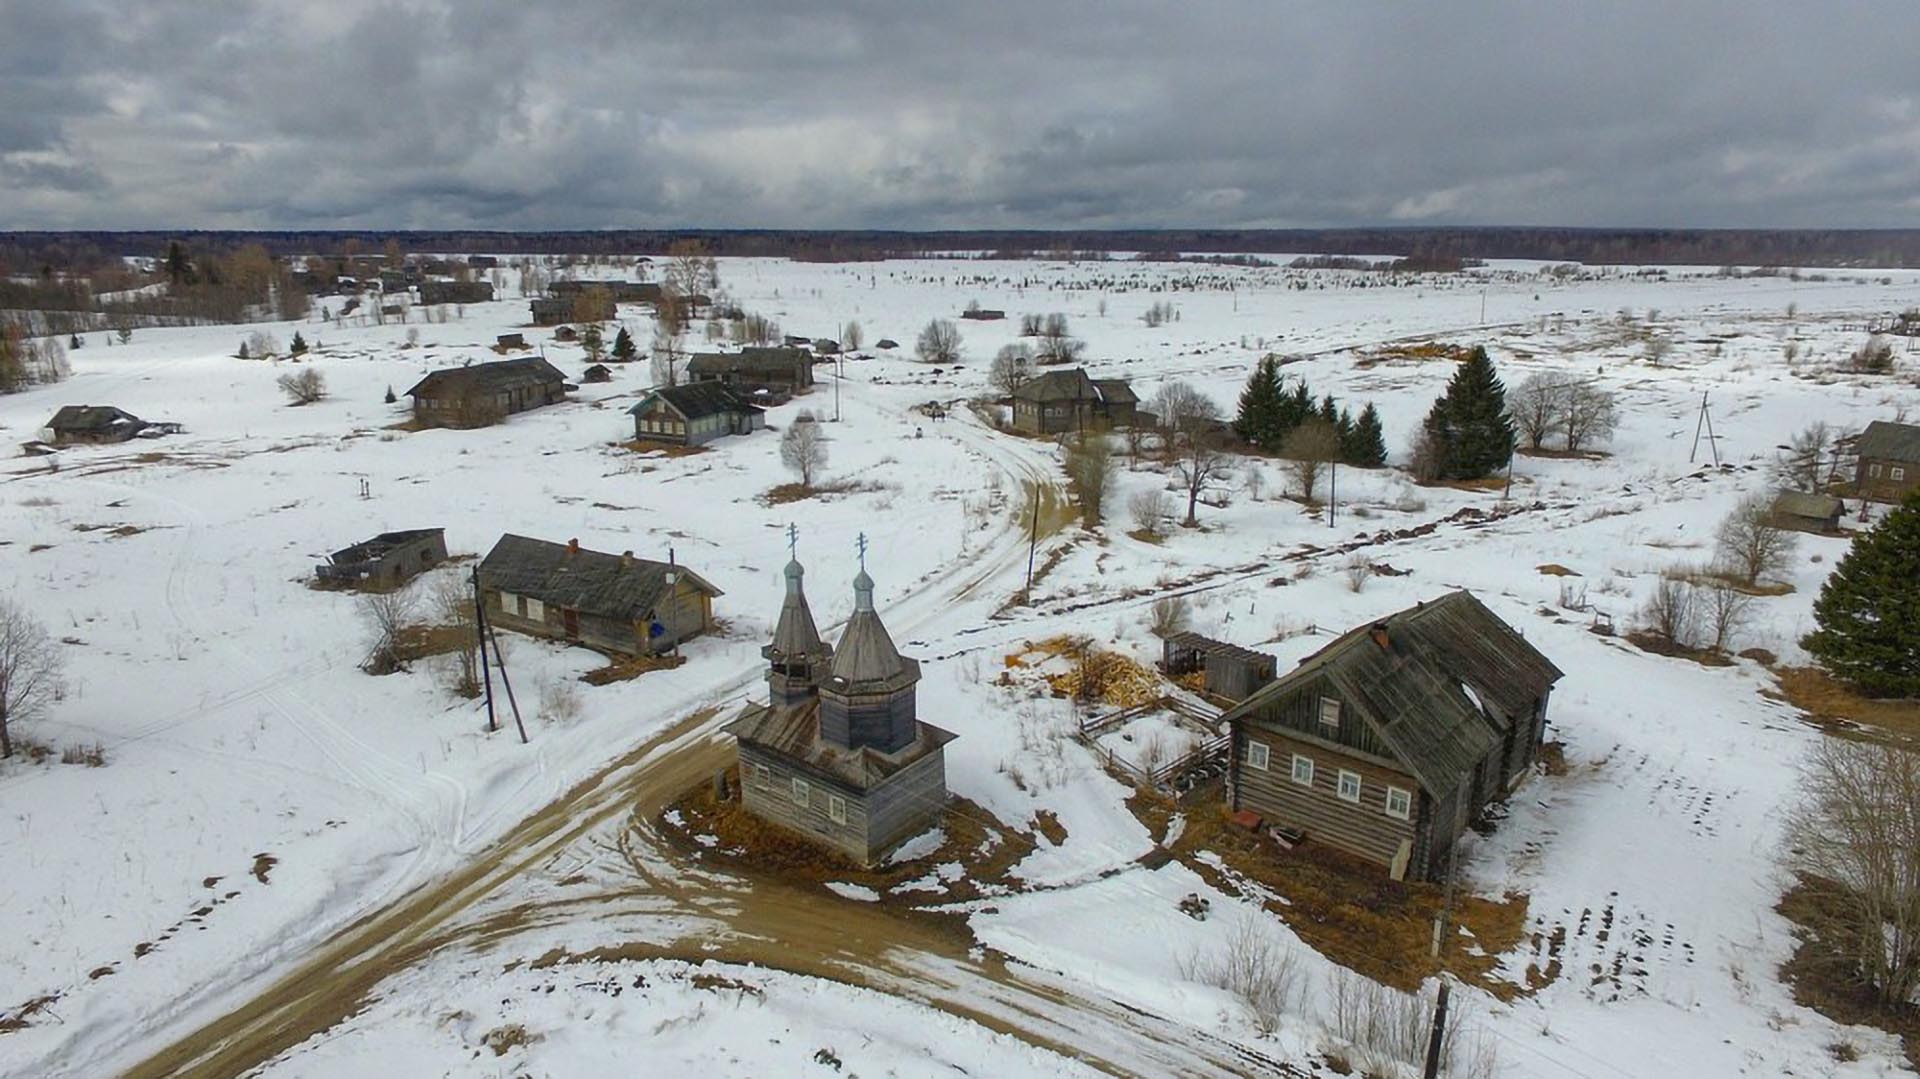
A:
[303,387]
[1150,510]
[1169,615]
[1253,963]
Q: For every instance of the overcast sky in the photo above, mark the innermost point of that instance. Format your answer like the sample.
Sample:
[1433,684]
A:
[903,114]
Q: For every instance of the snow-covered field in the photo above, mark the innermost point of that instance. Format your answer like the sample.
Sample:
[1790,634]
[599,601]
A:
[261,792]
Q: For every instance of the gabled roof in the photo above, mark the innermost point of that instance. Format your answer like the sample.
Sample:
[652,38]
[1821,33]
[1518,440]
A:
[1116,391]
[496,376]
[1802,504]
[1422,692]
[378,546]
[695,400]
[755,360]
[1071,385]
[592,582]
[1889,441]
[91,418]
[794,733]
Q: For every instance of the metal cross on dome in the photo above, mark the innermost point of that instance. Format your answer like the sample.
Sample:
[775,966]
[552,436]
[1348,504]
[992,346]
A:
[862,541]
[793,541]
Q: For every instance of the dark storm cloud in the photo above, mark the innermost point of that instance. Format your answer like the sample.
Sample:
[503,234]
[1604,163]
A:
[608,113]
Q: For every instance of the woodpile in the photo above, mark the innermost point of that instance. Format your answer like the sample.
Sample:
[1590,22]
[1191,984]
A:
[1094,675]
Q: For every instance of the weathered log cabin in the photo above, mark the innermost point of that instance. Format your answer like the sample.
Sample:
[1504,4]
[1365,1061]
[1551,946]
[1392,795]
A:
[1804,512]
[1389,741]
[483,393]
[782,369]
[388,560]
[694,414]
[838,753]
[619,604]
[1062,401]
[1229,671]
[79,424]
[1889,468]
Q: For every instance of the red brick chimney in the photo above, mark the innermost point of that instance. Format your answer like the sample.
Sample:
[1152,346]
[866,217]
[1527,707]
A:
[1379,634]
[573,547]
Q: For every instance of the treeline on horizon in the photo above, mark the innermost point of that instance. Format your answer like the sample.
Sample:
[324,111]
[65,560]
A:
[80,251]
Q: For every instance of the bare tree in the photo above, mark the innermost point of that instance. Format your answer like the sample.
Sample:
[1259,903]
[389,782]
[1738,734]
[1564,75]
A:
[939,342]
[668,354]
[1591,415]
[1169,615]
[1857,826]
[1308,450]
[1189,419]
[689,270]
[1672,613]
[1874,357]
[1057,344]
[1750,544]
[385,613]
[1659,347]
[852,337]
[803,448]
[1358,571]
[452,606]
[1801,463]
[1538,406]
[1725,609]
[1254,963]
[1011,366]
[1089,463]
[30,666]
[303,387]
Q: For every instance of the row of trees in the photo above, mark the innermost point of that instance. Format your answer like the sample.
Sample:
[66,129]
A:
[26,362]
[1290,424]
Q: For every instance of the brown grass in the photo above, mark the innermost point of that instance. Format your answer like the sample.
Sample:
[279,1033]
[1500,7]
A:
[1821,975]
[665,449]
[1352,913]
[794,492]
[627,668]
[1564,455]
[504,1039]
[1555,569]
[21,1018]
[263,864]
[1653,643]
[1145,536]
[1830,703]
[1414,352]
[422,640]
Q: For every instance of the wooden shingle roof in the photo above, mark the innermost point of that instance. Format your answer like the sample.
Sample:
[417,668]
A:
[591,582]
[498,376]
[696,400]
[91,418]
[1889,441]
[794,732]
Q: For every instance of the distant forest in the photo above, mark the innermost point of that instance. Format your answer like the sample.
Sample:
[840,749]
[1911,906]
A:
[68,252]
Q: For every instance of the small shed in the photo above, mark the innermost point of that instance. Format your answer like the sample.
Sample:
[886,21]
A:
[388,560]
[983,314]
[93,423]
[1232,672]
[566,333]
[597,373]
[508,341]
[886,344]
[1807,512]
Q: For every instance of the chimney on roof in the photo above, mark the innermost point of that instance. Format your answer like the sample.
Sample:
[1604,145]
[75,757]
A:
[1379,634]
[573,547]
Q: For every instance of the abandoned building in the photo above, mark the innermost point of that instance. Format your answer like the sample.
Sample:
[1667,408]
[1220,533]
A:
[615,603]
[783,370]
[694,414]
[507,341]
[838,753]
[483,393]
[621,291]
[550,310]
[1389,741]
[80,424]
[599,372]
[1228,671]
[1805,512]
[455,292]
[1889,468]
[388,560]
[1062,401]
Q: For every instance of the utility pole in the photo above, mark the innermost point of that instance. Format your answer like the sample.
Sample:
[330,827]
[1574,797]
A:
[1483,307]
[504,682]
[839,373]
[1033,541]
[673,588]
[480,629]
[1704,422]
[1442,923]
[1333,488]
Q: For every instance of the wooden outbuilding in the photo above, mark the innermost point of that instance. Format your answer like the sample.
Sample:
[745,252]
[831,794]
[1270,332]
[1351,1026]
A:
[1389,741]
[599,372]
[550,310]
[510,341]
[483,393]
[1805,512]
[1232,672]
[694,414]
[388,560]
[81,424]
[838,753]
[615,603]
[1889,468]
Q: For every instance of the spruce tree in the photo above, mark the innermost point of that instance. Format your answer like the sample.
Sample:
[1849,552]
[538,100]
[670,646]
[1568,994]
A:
[1258,420]
[1369,442]
[1330,410]
[1869,609]
[1296,408]
[623,349]
[299,345]
[1469,423]
[1343,430]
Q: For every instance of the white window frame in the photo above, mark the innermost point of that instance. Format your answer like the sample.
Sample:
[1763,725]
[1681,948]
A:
[1873,471]
[1340,791]
[762,776]
[1405,798]
[533,609]
[1258,755]
[800,792]
[1330,705]
[836,809]
[509,602]
[1896,473]
[1302,776]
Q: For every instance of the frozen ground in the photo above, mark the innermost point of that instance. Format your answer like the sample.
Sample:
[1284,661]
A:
[237,725]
